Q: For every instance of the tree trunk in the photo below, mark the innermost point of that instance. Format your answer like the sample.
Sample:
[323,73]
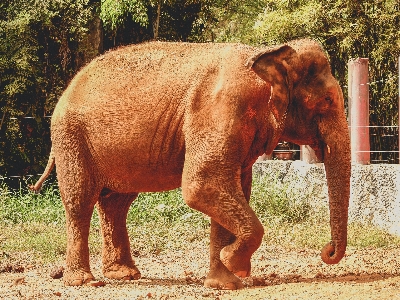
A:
[92,44]
[157,22]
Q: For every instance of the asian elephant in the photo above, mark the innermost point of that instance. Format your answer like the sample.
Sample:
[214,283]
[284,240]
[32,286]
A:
[157,116]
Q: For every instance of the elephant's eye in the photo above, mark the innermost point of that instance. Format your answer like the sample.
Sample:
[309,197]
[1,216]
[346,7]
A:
[329,99]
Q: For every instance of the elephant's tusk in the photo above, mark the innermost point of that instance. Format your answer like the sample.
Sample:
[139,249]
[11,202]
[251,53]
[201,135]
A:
[329,149]
[272,91]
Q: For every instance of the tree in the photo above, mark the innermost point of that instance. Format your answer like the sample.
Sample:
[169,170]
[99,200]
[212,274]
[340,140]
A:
[133,21]
[228,21]
[39,52]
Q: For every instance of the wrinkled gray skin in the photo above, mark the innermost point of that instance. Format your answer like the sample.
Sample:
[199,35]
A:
[156,116]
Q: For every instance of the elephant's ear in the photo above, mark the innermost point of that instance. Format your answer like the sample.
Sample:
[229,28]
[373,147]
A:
[274,65]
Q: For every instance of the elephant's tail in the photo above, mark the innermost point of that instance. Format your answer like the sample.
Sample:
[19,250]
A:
[50,165]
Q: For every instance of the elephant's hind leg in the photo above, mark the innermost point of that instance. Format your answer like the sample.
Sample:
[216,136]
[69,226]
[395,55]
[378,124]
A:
[77,192]
[78,223]
[117,260]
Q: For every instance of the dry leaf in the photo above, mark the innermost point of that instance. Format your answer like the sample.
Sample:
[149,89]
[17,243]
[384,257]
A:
[19,280]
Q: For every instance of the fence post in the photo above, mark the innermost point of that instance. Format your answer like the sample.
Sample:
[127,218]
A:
[359,110]
[398,122]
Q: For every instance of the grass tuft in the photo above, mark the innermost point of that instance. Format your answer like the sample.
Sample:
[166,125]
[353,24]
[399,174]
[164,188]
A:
[272,200]
[23,206]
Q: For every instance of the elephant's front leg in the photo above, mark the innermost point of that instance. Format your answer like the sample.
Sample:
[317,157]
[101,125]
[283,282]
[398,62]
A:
[236,231]
[240,266]
[220,238]
[220,276]
[117,260]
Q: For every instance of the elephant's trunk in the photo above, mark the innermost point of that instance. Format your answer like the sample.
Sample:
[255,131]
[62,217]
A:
[337,160]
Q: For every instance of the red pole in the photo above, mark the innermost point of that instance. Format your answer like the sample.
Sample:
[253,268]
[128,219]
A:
[359,110]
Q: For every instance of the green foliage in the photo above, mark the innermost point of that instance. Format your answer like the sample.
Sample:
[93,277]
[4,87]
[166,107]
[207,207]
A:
[168,207]
[43,241]
[368,235]
[133,21]
[227,21]
[114,13]
[38,55]
[281,22]
[179,20]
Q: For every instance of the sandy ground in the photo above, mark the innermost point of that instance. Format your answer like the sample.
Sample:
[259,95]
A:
[277,274]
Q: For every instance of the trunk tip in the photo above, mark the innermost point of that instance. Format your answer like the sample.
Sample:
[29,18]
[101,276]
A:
[330,254]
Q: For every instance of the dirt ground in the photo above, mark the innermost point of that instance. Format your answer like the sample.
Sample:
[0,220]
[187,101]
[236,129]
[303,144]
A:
[277,274]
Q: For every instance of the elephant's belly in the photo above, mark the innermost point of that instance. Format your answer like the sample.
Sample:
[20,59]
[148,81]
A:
[137,178]
[133,159]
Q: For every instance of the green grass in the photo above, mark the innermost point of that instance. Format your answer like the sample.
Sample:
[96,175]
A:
[157,222]
[45,242]
[25,207]
[273,201]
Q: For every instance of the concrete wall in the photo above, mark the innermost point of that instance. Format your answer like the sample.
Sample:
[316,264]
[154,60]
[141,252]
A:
[375,189]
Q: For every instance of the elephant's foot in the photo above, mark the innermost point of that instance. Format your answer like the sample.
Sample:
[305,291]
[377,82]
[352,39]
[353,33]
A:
[119,272]
[222,279]
[77,277]
[235,263]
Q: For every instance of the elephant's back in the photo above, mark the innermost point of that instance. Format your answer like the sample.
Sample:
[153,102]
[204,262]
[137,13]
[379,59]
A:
[152,71]
[162,64]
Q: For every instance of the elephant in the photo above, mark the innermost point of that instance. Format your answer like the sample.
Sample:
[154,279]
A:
[157,116]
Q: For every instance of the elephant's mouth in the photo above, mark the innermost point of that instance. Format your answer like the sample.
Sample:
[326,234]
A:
[319,148]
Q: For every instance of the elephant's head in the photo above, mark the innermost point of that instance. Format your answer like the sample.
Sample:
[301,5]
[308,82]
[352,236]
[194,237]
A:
[308,102]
